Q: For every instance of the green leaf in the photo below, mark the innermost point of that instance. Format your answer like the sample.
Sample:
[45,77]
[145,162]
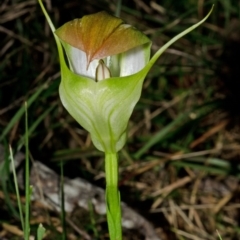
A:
[40,232]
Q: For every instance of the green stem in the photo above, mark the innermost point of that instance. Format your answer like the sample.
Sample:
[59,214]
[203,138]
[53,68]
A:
[27,181]
[113,202]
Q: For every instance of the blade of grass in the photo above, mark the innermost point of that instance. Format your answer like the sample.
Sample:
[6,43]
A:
[204,168]
[40,232]
[92,219]
[217,162]
[219,235]
[118,8]
[16,189]
[27,187]
[4,177]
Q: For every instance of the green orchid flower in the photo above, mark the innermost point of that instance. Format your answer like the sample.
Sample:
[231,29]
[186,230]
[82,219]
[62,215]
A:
[102,82]
[108,62]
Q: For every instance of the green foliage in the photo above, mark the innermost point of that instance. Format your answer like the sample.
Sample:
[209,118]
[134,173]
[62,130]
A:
[40,232]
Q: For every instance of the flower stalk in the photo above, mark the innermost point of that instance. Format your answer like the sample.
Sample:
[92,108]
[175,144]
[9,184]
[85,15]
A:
[113,202]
